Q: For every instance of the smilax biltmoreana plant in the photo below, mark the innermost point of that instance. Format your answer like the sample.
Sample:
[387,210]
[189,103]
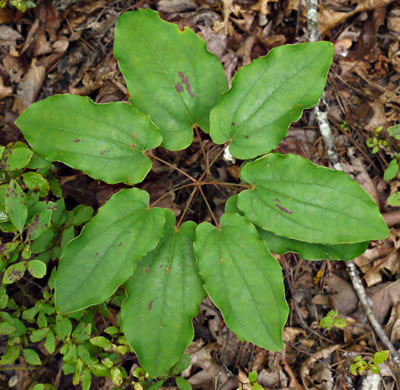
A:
[287,204]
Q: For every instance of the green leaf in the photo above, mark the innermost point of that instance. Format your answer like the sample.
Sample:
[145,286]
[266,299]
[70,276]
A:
[306,250]
[253,375]
[164,294]
[116,376]
[182,364]
[15,205]
[18,158]
[84,354]
[82,332]
[106,141]
[44,386]
[102,342]
[50,343]
[86,379]
[37,268]
[391,170]
[394,131]
[169,74]
[32,357]
[374,368]
[36,182]
[267,95]
[340,322]
[39,334]
[294,198]
[14,272]
[81,214]
[10,356]
[104,256]
[182,383]
[394,199]
[326,322]
[111,330]
[243,280]
[7,329]
[381,356]
[99,370]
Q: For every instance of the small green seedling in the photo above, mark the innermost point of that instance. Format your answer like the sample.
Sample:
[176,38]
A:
[377,142]
[20,5]
[360,365]
[332,319]
[167,267]
[253,376]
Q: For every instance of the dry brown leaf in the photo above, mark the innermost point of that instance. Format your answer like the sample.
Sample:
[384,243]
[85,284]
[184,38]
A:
[314,373]
[4,91]
[393,20]
[393,326]
[8,36]
[329,19]
[345,301]
[384,298]
[170,6]
[394,56]
[31,83]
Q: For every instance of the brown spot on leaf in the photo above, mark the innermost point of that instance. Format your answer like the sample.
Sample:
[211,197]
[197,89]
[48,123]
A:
[277,200]
[77,140]
[133,146]
[147,269]
[179,88]
[134,135]
[184,80]
[103,152]
[246,136]
[120,244]
[161,265]
[167,270]
[233,124]
[283,209]
[97,253]
[222,259]
[150,306]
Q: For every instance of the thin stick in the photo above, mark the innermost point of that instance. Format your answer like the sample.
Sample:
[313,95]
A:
[322,119]
[172,190]
[173,167]
[208,206]
[196,129]
[188,202]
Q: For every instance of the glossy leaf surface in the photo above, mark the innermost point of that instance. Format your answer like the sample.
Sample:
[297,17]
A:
[306,250]
[267,95]
[106,141]
[294,198]
[104,255]
[243,280]
[169,73]
[164,295]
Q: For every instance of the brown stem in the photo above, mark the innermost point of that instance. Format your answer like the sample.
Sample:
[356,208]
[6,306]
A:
[188,202]
[173,167]
[172,190]
[209,207]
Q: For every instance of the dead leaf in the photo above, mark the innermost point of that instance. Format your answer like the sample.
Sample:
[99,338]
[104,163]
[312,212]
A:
[4,91]
[170,6]
[8,36]
[316,374]
[341,294]
[383,299]
[393,326]
[31,83]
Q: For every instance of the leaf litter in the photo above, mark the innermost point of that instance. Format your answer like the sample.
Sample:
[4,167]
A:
[67,47]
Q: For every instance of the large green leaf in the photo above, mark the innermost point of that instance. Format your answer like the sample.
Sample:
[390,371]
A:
[106,141]
[243,279]
[294,198]
[164,294]
[105,254]
[169,73]
[267,95]
[306,250]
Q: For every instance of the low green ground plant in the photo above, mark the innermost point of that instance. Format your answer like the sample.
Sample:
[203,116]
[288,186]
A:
[283,203]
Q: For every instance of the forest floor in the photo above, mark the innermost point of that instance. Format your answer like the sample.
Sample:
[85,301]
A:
[68,48]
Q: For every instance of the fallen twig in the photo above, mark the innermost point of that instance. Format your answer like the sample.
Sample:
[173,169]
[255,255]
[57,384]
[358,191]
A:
[322,119]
